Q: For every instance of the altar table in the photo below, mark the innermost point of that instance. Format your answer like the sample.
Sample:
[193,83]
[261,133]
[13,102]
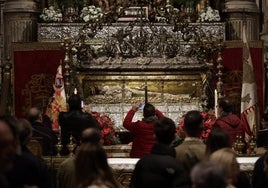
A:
[123,167]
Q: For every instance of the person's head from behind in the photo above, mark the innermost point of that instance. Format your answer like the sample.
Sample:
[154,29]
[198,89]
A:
[208,174]
[24,131]
[8,141]
[74,102]
[193,122]
[148,110]
[217,139]
[90,135]
[164,130]
[227,157]
[264,121]
[265,116]
[34,114]
[225,106]
[91,164]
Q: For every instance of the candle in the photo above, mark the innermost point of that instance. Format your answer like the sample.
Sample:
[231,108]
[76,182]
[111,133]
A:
[59,131]
[75,91]
[82,104]
[216,102]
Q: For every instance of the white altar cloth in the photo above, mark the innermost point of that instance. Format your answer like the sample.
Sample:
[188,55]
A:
[123,163]
[246,163]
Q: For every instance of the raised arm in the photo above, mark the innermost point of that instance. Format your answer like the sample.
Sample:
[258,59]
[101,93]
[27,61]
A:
[128,124]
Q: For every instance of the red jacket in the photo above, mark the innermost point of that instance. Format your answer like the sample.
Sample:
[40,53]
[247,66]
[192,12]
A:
[143,134]
[232,125]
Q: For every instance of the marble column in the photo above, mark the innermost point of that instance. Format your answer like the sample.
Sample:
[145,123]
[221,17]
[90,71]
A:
[1,36]
[264,31]
[235,13]
[20,20]
[20,25]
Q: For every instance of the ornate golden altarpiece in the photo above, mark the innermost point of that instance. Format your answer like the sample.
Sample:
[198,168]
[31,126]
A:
[112,69]
[110,83]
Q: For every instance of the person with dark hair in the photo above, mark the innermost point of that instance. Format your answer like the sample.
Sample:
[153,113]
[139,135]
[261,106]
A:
[264,121]
[25,131]
[260,172]
[28,170]
[40,131]
[92,169]
[91,135]
[262,137]
[142,130]
[160,168]
[208,174]
[229,121]
[73,122]
[8,145]
[192,149]
[217,139]
[66,171]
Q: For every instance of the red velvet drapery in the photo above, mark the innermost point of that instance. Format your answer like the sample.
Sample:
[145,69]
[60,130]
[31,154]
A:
[232,77]
[34,69]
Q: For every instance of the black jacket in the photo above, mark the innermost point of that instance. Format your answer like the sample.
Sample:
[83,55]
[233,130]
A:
[159,169]
[45,136]
[29,170]
[73,123]
[259,178]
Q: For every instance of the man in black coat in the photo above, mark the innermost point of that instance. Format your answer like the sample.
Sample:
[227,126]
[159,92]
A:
[160,168]
[74,121]
[42,133]
[260,172]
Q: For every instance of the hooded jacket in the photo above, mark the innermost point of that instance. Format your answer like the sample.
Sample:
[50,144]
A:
[232,125]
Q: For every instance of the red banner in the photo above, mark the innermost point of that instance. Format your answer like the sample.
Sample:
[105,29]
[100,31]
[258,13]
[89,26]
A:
[34,67]
[232,72]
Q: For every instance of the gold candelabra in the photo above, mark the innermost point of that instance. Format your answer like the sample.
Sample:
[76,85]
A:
[251,146]
[71,146]
[239,145]
[58,146]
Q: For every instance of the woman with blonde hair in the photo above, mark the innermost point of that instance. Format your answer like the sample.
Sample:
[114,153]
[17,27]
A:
[227,157]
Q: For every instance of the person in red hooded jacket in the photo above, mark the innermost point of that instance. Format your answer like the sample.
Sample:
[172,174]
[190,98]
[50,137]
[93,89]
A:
[228,121]
[142,130]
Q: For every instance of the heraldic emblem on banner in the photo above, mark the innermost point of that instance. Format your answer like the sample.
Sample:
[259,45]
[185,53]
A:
[57,103]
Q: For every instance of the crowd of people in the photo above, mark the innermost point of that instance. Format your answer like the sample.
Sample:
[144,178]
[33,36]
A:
[192,163]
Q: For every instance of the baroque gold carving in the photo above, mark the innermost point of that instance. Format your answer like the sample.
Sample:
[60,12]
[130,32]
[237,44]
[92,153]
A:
[126,88]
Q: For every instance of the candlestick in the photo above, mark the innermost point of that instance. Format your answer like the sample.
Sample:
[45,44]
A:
[82,104]
[75,91]
[146,94]
[216,102]
[60,131]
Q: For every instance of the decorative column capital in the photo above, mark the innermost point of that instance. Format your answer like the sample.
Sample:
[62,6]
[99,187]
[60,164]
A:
[238,12]
[18,6]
